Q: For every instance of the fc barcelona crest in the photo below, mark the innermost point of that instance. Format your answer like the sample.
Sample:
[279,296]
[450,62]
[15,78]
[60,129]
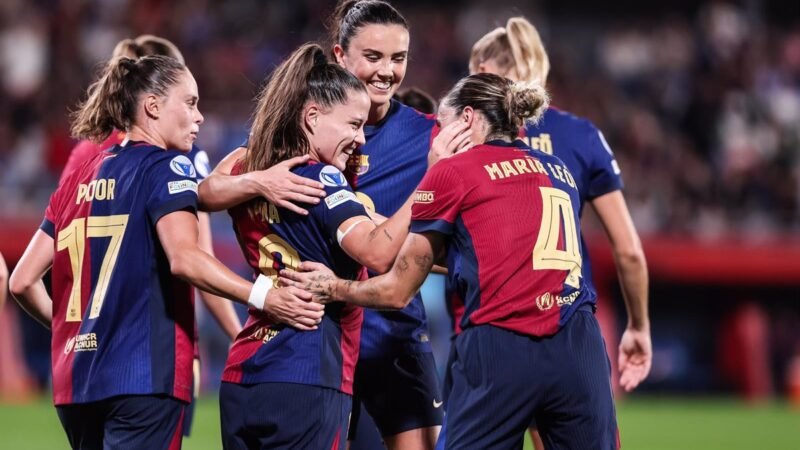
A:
[358,164]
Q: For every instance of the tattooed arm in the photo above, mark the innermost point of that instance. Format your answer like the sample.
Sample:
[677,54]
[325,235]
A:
[376,246]
[393,290]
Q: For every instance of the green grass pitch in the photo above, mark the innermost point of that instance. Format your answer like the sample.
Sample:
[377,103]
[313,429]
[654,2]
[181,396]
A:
[646,423]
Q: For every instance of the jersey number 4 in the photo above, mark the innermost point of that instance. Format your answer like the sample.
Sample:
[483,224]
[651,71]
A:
[72,238]
[557,209]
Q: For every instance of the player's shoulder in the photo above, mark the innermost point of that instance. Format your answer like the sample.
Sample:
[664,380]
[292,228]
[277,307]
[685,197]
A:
[557,119]
[409,118]
[157,159]
[324,173]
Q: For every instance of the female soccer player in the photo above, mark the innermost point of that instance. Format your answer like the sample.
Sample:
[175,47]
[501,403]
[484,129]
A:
[309,106]
[530,344]
[371,40]
[517,52]
[117,232]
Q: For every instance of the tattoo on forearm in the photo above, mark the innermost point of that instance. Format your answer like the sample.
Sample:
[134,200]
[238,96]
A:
[402,263]
[388,236]
[423,262]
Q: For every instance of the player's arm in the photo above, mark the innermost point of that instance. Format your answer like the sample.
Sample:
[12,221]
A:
[219,307]
[178,233]
[221,190]
[392,290]
[26,282]
[635,351]
[376,246]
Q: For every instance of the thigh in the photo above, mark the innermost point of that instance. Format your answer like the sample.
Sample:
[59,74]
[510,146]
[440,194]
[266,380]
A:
[144,421]
[493,390]
[283,415]
[401,393]
[83,424]
[579,411]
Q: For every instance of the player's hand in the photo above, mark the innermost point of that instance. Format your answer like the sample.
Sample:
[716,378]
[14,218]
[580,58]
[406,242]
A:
[452,139]
[293,307]
[635,357]
[284,189]
[314,278]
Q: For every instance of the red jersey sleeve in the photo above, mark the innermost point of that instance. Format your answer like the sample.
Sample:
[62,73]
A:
[438,200]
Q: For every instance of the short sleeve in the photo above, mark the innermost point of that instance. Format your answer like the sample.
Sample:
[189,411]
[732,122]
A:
[172,185]
[438,200]
[340,202]
[604,173]
[49,223]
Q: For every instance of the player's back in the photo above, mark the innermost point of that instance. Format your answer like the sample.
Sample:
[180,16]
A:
[122,324]
[581,146]
[274,239]
[516,228]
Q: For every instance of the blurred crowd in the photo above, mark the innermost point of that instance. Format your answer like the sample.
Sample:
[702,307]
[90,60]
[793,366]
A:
[701,108]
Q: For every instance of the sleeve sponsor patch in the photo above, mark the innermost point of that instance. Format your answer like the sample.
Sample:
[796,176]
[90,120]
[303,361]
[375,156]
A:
[182,166]
[423,197]
[175,187]
[201,164]
[331,176]
[339,197]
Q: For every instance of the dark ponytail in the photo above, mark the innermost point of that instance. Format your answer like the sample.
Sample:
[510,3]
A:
[350,15]
[111,101]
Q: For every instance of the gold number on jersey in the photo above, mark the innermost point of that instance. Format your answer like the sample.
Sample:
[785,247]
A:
[73,239]
[557,209]
[274,255]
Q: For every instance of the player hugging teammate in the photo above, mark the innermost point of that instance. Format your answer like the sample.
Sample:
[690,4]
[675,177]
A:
[336,323]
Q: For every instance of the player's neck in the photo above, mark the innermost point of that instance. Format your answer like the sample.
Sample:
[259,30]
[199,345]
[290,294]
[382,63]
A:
[137,133]
[378,113]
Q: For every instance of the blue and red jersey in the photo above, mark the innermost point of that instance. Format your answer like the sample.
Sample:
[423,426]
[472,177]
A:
[582,147]
[122,324]
[273,239]
[384,172]
[512,215]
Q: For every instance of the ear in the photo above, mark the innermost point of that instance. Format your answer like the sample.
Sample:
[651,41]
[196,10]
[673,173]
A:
[468,115]
[152,106]
[338,54]
[311,116]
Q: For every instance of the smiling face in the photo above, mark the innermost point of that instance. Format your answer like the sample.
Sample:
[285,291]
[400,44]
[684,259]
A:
[335,132]
[378,56]
[179,118]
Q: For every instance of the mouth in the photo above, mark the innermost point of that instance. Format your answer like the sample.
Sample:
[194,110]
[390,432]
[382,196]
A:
[194,135]
[381,86]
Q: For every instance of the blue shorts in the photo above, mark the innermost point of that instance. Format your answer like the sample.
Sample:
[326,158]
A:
[400,393]
[127,422]
[502,381]
[283,415]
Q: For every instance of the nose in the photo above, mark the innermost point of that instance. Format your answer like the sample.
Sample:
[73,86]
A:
[360,138]
[199,117]
[385,69]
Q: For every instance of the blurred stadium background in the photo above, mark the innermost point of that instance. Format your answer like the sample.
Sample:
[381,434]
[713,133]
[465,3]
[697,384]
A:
[700,101]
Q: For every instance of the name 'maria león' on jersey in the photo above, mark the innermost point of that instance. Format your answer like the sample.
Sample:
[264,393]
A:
[512,216]
[122,324]
[384,172]
[273,239]
[587,155]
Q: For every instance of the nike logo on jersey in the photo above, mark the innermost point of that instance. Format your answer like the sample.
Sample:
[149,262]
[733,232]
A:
[437,404]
